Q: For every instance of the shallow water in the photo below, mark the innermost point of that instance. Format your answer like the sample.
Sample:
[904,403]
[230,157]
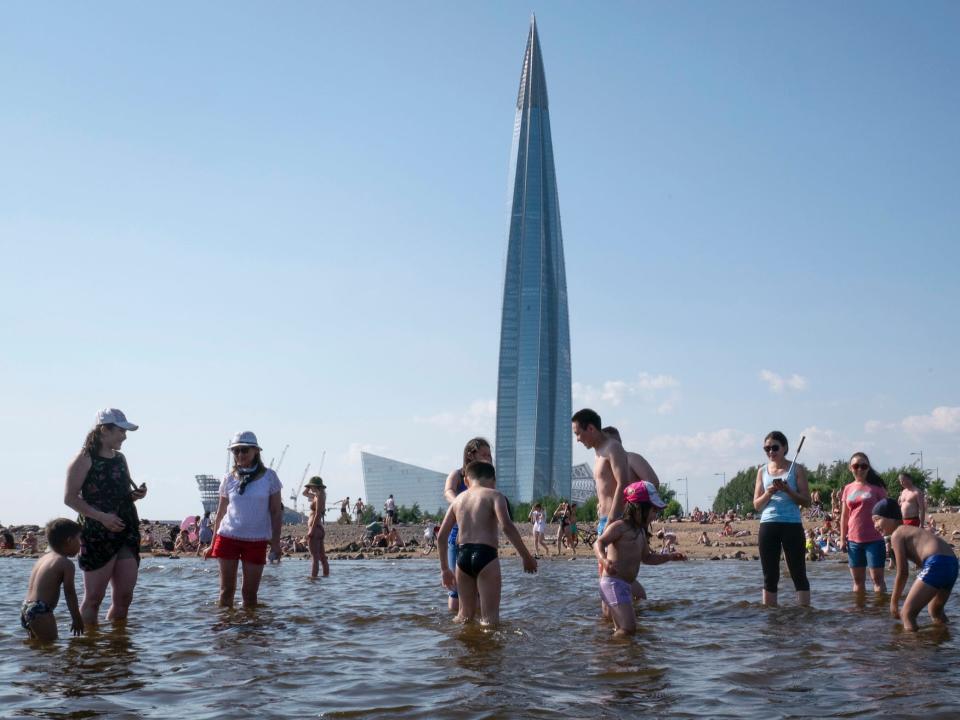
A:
[374,640]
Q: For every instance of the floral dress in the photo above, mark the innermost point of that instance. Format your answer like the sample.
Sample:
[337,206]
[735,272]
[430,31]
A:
[107,488]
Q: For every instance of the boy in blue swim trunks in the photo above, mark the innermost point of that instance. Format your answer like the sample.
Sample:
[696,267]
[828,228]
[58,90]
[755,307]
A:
[935,579]
[51,571]
[479,511]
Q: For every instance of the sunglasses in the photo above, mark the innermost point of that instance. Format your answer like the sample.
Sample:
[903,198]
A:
[860,466]
[241,450]
[771,448]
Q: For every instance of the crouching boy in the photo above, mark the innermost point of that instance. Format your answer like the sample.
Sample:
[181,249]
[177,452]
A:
[935,579]
[51,571]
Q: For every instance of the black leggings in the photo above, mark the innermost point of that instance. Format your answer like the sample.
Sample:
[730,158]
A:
[789,536]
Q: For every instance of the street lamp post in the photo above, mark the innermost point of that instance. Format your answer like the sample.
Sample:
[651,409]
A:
[920,453]
[686,494]
[724,477]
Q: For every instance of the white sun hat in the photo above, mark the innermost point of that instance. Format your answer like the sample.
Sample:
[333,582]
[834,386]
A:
[244,439]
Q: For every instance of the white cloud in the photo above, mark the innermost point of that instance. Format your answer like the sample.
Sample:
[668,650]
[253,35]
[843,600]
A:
[941,420]
[725,441]
[478,418]
[778,384]
[872,427]
[614,392]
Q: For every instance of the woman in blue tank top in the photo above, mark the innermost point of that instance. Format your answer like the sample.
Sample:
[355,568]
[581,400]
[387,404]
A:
[476,449]
[781,490]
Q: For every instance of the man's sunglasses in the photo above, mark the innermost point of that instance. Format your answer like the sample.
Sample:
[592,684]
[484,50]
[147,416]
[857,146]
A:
[241,450]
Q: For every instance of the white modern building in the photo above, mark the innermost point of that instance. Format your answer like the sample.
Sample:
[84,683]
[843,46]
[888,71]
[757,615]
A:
[409,484]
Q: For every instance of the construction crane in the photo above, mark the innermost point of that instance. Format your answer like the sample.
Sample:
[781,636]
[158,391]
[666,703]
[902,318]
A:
[295,494]
[282,456]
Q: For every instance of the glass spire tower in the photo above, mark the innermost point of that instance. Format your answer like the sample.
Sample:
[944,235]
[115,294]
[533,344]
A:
[534,442]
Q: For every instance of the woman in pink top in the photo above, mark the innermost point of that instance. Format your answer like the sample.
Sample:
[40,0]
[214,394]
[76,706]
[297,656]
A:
[249,518]
[864,545]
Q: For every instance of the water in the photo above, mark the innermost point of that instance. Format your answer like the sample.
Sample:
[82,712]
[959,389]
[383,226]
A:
[374,640]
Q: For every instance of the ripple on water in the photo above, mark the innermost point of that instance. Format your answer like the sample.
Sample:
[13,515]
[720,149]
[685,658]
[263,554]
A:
[376,640]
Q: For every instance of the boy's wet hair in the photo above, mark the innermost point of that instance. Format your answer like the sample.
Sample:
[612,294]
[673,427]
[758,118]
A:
[480,470]
[59,531]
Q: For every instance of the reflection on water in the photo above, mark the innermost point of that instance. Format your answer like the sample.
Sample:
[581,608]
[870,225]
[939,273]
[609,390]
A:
[374,640]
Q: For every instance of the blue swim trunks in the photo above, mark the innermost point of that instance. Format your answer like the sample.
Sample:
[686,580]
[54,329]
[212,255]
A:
[30,609]
[601,525]
[939,571]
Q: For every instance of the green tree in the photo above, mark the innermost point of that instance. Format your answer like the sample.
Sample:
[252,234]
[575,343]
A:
[937,491]
[411,515]
[673,509]
[953,494]
[737,491]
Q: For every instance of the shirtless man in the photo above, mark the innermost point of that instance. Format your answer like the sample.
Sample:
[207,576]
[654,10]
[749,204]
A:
[479,512]
[611,469]
[640,470]
[913,505]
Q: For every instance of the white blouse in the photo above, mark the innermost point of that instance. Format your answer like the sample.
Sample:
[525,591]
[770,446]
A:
[248,515]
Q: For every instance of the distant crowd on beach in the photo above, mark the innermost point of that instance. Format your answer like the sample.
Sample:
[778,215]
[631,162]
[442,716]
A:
[244,533]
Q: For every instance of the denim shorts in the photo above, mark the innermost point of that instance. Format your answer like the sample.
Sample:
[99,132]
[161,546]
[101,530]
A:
[871,554]
[452,554]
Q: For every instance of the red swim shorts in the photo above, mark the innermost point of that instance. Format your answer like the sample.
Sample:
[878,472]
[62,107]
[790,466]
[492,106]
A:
[912,521]
[252,551]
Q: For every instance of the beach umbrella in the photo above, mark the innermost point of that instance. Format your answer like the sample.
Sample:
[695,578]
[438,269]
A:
[190,525]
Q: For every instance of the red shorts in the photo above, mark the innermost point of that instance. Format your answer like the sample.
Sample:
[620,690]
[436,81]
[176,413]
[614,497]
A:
[252,551]
[915,522]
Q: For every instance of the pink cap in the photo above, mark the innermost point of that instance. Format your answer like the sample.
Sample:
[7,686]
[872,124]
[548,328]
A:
[640,492]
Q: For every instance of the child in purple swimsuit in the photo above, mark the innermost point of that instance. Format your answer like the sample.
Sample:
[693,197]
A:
[623,546]
[935,579]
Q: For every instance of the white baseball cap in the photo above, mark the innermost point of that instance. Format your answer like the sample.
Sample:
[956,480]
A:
[112,416]
[244,439]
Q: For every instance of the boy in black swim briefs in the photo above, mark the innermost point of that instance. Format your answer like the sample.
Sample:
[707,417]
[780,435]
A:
[480,511]
[935,579]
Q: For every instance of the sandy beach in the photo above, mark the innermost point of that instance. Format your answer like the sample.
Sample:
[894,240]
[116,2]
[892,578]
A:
[343,541]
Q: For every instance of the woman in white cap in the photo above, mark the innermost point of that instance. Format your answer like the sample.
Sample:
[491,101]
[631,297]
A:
[249,518]
[99,488]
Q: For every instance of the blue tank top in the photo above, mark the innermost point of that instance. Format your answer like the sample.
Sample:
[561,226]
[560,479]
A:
[461,486]
[781,507]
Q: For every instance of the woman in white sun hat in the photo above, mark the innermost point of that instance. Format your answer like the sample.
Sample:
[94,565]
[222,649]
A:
[248,519]
[99,488]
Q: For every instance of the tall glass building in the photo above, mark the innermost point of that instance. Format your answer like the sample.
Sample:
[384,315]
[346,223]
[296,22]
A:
[534,442]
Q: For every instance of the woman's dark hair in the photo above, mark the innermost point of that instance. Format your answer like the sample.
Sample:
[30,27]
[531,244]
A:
[206,513]
[873,477]
[779,437]
[470,451]
[94,442]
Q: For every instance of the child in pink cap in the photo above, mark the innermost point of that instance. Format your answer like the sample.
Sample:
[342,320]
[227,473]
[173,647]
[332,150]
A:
[624,544]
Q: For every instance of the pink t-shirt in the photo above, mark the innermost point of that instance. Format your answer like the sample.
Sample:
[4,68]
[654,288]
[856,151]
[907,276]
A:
[860,499]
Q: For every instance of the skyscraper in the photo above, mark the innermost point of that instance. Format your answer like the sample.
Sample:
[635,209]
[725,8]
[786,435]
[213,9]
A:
[534,446]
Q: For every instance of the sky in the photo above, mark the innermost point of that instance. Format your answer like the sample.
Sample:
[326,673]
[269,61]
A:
[292,218]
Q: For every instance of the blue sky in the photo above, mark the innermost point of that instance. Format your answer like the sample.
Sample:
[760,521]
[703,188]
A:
[291,218]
